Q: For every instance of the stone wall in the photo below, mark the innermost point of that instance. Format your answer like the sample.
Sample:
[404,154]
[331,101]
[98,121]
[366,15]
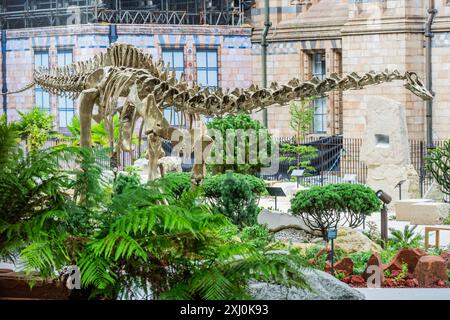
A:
[370,35]
[232,44]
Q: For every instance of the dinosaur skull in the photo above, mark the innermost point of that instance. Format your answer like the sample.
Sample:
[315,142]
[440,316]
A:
[416,86]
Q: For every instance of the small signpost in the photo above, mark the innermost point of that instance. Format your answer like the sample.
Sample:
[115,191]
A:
[297,173]
[331,235]
[276,192]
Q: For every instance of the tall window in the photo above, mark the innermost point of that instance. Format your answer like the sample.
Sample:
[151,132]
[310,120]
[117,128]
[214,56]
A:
[207,69]
[319,104]
[175,59]
[66,105]
[42,97]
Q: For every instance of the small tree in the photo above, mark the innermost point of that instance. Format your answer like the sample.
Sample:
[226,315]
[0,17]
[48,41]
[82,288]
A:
[231,123]
[36,127]
[322,208]
[236,201]
[438,163]
[302,116]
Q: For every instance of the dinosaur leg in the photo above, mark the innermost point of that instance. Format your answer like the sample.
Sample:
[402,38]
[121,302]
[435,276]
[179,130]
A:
[87,101]
[202,147]
[154,154]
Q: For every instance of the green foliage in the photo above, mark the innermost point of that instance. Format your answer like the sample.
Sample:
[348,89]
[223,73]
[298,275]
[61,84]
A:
[36,127]
[325,207]
[438,163]
[237,201]
[131,179]
[99,132]
[302,156]
[360,261]
[407,238]
[302,116]
[230,124]
[141,238]
[257,235]
[212,185]
[447,220]
[177,183]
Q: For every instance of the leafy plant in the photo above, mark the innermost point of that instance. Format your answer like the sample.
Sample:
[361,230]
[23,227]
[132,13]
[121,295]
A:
[177,183]
[299,154]
[257,234]
[447,220]
[237,201]
[406,238]
[360,260]
[403,273]
[438,163]
[322,208]
[36,127]
[340,275]
[212,185]
[140,239]
[301,117]
[232,125]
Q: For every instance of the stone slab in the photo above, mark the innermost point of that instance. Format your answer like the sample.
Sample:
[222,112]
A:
[403,208]
[429,213]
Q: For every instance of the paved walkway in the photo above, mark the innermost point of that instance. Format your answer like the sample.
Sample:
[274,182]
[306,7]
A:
[406,294]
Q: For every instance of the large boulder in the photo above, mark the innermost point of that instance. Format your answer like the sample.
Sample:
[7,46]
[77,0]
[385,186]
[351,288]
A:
[350,241]
[323,287]
[410,256]
[277,221]
[431,270]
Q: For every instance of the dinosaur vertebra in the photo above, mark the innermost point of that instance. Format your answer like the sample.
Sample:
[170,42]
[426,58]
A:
[125,71]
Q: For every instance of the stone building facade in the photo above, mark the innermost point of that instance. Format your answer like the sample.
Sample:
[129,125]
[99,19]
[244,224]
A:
[209,55]
[319,37]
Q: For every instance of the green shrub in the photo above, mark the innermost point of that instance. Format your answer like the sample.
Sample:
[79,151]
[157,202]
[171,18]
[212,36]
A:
[176,183]
[407,238]
[258,235]
[36,127]
[232,123]
[237,201]
[325,207]
[212,185]
[360,261]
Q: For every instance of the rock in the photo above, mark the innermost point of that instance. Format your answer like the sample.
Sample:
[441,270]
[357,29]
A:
[292,235]
[412,283]
[171,164]
[345,265]
[277,221]
[350,241]
[441,283]
[429,213]
[385,148]
[409,256]
[323,285]
[403,208]
[390,283]
[141,164]
[446,256]
[357,280]
[374,261]
[435,193]
[429,270]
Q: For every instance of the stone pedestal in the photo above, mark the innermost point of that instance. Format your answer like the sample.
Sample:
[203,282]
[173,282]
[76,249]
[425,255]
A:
[385,149]
[429,213]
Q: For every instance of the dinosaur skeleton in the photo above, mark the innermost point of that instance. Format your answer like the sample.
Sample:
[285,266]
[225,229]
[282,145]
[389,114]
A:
[124,71]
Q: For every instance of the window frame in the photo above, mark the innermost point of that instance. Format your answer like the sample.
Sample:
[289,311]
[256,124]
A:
[170,113]
[207,68]
[39,92]
[65,105]
[320,105]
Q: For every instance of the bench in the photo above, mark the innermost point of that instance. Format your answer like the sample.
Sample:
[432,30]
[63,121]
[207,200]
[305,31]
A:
[437,239]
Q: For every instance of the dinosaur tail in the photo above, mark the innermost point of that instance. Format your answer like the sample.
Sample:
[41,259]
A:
[27,87]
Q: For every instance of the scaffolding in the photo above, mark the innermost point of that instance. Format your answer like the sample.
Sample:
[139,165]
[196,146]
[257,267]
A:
[17,14]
